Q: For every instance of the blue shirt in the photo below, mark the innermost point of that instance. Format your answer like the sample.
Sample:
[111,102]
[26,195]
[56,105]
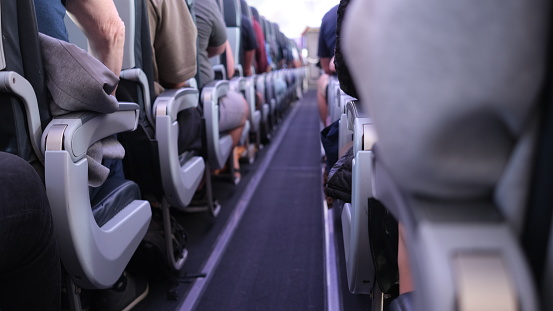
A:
[327,33]
[49,17]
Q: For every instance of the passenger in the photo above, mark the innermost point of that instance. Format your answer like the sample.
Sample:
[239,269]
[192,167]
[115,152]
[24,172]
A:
[173,38]
[212,41]
[173,41]
[105,32]
[30,276]
[327,44]
[261,61]
[249,42]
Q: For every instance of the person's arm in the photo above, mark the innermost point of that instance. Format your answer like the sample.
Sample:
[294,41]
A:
[216,50]
[104,29]
[248,62]
[325,65]
[230,61]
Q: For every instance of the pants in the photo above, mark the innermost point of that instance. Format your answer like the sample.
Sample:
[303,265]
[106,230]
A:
[233,109]
[29,261]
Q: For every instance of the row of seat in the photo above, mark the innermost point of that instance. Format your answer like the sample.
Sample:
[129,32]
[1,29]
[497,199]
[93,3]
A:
[465,253]
[97,238]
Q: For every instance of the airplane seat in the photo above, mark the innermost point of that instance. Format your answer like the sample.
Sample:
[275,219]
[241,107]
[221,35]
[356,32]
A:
[163,171]
[467,232]
[266,108]
[345,135]
[233,19]
[93,254]
[360,267]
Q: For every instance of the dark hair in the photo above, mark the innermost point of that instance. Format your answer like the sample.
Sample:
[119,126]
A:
[346,83]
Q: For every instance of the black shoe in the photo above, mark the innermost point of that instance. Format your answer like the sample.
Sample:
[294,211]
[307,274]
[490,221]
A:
[124,295]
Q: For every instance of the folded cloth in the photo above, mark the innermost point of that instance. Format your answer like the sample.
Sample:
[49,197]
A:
[340,178]
[79,82]
[107,148]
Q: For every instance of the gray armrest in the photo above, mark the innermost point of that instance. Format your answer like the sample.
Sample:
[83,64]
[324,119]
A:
[173,101]
[218,147]
[238,70]
[462,249]
[11,82]
[79,130]
[221,70]
[93,256]
[138,76]
[180,176]
[353,111]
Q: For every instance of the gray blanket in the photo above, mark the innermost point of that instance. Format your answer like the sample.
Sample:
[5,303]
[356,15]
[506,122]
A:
[79,82]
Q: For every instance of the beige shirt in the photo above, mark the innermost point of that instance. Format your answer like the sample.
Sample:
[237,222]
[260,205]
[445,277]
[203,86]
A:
[173,37]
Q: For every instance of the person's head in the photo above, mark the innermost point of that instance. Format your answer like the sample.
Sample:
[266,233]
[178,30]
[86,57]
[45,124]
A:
[255,14]
[346,82]
[245,8]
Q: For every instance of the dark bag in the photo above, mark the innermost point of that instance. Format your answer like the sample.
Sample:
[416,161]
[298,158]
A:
[151,255]
[340,178]
[190,130]
[329,139]
[383,236]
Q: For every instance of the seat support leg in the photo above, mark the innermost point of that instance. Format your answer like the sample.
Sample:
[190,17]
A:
[73,294]
[175,263]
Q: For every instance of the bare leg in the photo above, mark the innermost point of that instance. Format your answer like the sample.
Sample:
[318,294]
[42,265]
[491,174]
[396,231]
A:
[321,98]
[405,280]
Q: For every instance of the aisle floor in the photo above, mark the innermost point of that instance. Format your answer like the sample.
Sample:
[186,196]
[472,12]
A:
[275,258]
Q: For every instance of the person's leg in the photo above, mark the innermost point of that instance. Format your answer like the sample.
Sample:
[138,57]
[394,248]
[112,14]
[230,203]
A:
[405,280]
[321,98]
[233,115]
[29,261]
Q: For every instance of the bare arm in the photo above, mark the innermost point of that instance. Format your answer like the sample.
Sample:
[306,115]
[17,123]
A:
[104,29]
[230,61]
[248,62]
[325,64]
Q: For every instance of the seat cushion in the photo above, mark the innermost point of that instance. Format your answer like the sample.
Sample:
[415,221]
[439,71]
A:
[112,197]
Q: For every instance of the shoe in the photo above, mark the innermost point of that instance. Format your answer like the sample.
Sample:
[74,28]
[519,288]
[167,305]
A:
[124,295]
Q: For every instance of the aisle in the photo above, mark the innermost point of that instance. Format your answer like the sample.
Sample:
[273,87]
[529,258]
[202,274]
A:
[275,258]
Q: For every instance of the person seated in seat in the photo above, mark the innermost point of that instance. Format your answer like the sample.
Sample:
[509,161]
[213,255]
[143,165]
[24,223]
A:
[30,276]
[173,40]
[105,32]
[249,42]
[212,41]
[173,43]
[327,44]
[261,62]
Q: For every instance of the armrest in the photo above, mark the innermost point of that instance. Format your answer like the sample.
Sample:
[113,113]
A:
[11,82]
[221,71]
[138,76]
[173,101]
[77,131]
[364,135]
[353,111]
[192,83]
[238,70]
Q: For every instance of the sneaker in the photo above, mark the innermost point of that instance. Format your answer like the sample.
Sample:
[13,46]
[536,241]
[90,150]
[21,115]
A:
[124,295]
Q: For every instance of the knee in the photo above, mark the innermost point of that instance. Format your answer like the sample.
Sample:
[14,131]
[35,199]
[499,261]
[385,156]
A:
[246,111]
[322,84]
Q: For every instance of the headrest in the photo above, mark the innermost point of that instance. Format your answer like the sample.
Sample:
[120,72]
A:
[245,8]
[255,14]
[232,12]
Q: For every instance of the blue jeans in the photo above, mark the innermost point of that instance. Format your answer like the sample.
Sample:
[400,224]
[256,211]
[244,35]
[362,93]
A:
[29,261]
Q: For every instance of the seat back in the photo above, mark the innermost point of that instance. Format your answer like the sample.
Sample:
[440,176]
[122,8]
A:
[141,162]
[233,20]
[463,230]
[23,111]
